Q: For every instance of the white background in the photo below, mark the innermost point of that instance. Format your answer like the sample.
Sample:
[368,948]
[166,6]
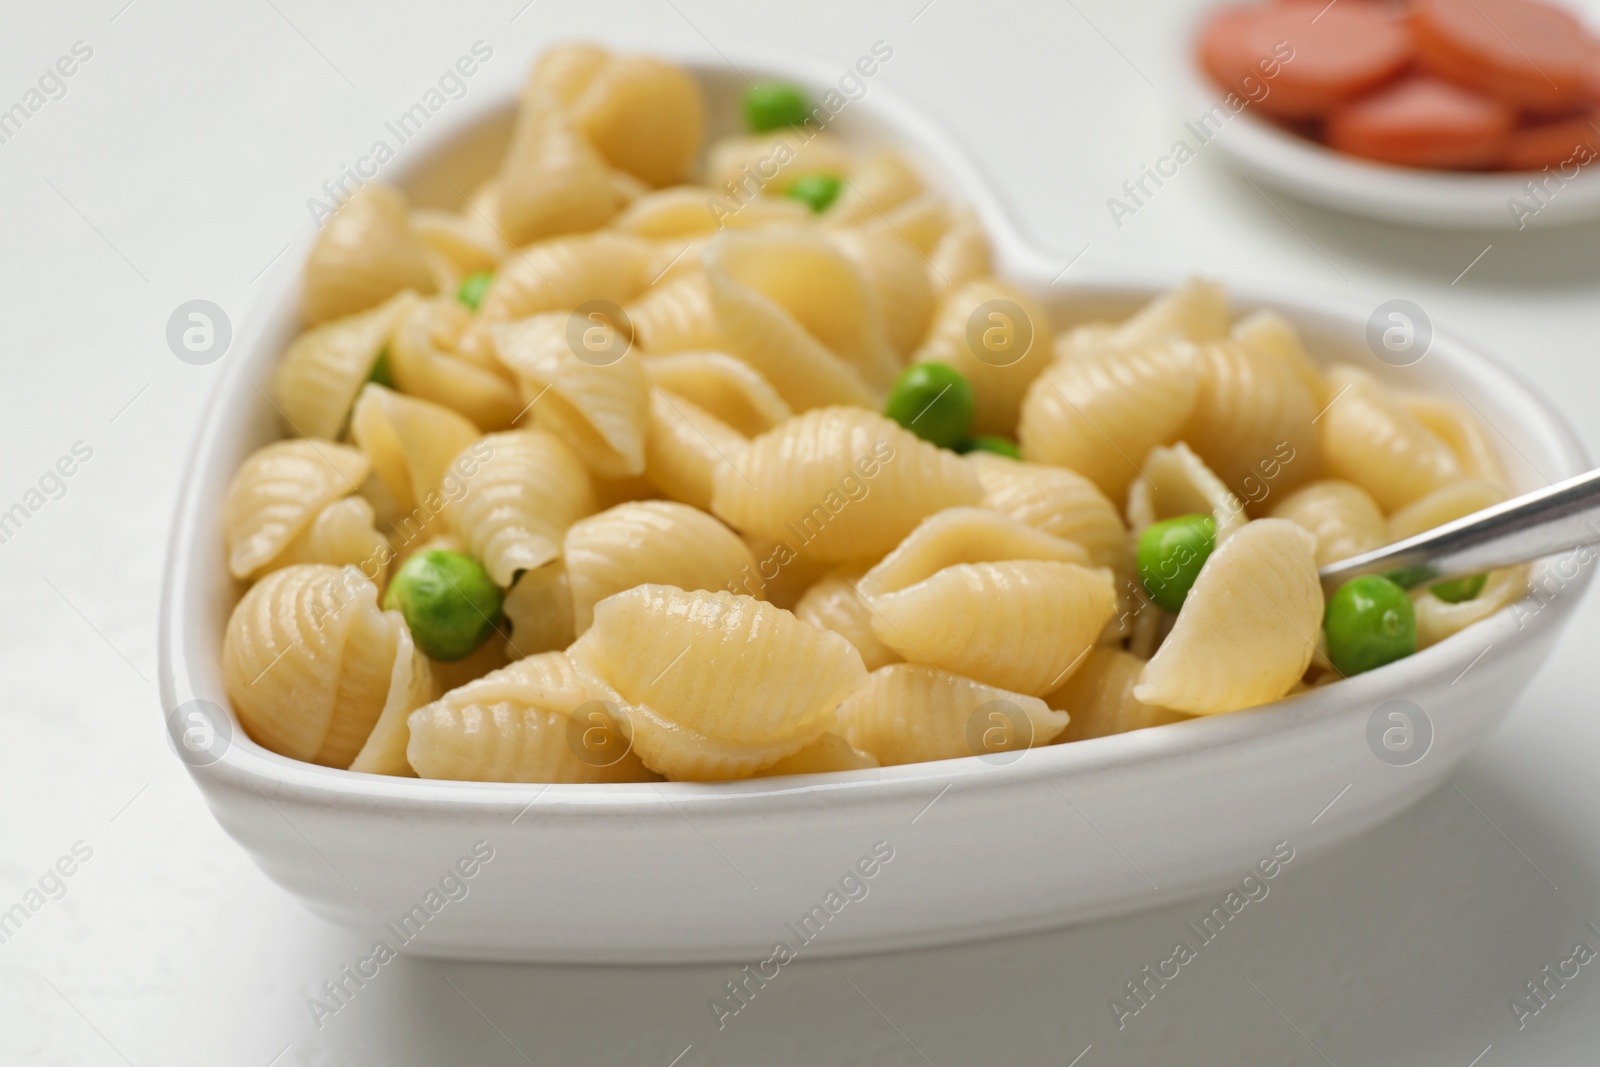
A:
[177,166]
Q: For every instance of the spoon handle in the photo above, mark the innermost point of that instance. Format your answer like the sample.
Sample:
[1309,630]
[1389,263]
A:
[1560,517]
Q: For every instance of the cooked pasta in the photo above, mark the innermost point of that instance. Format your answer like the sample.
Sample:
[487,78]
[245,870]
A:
[656,448]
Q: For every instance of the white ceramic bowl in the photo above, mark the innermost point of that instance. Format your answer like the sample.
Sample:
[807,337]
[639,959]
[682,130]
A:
[685,871]
[1266,153]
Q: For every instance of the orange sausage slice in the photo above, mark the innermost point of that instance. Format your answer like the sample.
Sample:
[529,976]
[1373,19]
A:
[1425,122]
[1572,141]
[1308,57]
[1529,54]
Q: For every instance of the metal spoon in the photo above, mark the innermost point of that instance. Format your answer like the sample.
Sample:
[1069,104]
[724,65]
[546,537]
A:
[1563,516]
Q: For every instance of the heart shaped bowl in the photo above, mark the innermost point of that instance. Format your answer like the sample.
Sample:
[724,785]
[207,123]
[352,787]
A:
[958,849]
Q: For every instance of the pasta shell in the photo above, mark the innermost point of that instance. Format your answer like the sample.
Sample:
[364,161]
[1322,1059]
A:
[897,274]
[1173,482]
[684,448]
[675,316]
[309,662]
[649,542]
[877,184]
[724,388]
[523,723]
[410,686]
[1269,334]
[317,381]
[645,116]
[1369,438]
[1437,619]
[526,488]
[694,210]
[726,666]
[798,311]
[962,253]
[551,181]
[828,753]
[424,364]
[412,444]
[465,238]
[539,609]
[364,255]
[1446,504]
[1023,625]
[1253,420]
[277,492]
[1196,311]
[835,603]
[921,221]
[565,70]
[963,535]
[683,753]
[980,333]
[561,273]
[1099,417]
[1060,502]
[840,484]
[343,533]
[601,409]
[1099,697]
[1341,516]
[1247,630]
[909,713]
[745,167]
[1462,433]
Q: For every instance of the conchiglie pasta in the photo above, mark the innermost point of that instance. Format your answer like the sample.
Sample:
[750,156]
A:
[1252,420]
[841,484]
[879,183]
[1371,439]
[1023,625]
[744,167]
[649,542]
[464,238]
[908,713]
[276,494]
[963,535]
[1101,416]
[1437,619]
[694,210]
[317,381]
[598,404]
[1196,311]
[343,533]
[830,752]
[685,447]
[412,444]
[1248,627]
[1059,502]
[835,603]
[998,338]
[897,274]
[730,391]
[525,489]
[365,254]
[310,663]
[1342,516]
[1462,433]
[1445,504]
[1173,482]
[525,722]
[1099,697]
[675,316]
[551,181]
[424,362]
[961,254]
[644,116]
[564,272]
[539,609]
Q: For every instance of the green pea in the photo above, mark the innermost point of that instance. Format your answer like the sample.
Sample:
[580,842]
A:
[1170,555]
[473,286]
[381,372]
[773,104]
[1411,577]
[1369,622]
[933,401]
[816,191]
[449,603]
[1461,589]
[1000,446]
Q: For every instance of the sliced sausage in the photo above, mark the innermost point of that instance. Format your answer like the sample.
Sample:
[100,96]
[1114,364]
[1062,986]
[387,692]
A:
[1424,122]
[1529,54]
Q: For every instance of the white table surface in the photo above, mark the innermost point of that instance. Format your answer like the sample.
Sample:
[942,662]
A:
[177,166]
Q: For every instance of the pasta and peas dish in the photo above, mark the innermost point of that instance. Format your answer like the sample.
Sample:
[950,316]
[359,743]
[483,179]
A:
[659,459]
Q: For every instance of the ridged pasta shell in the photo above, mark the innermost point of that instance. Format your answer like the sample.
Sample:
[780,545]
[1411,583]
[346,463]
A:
[1196,311]
[551,181]
[1437,619]
[412,444]
[1248,628]
[465,238]
[424,364]
[539,608]
[1014,352]
[675,316]
[516,725]
[897,274]
[1445,504]
[365,254]
[685,754]
[564,70]
[564,272]
[1099,697]
[1023,625]
[1173,482]
[684,447]
[962,253]
[650,542]
[724,665]
[835,603]
[1058,501]
[963,535]
[922,220]
[841,484]
[1101,416]
[826,754]
[1252,420]
[795,309]
[1371,439]
[309,662]
[1340,515]
[601,410]
[319,376]
[730,391]
[277,492]
[411,685]
[879,183]
[519,501]
[345,533]
[1464,435]
[909,713]
[695,210]
[1269,334]
[644,115]
[744,167]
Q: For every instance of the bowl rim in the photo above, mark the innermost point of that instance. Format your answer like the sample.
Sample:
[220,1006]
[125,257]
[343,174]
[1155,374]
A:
[1436,199]
[246,766]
